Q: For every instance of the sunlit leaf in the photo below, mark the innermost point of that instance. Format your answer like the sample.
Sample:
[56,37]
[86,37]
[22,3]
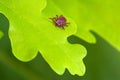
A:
[31,31]
[100,16]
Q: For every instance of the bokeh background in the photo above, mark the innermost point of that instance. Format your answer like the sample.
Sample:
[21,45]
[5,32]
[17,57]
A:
[102,61]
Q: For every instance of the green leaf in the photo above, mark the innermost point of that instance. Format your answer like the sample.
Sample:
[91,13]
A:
[100,16]
[1,34]
[31,31]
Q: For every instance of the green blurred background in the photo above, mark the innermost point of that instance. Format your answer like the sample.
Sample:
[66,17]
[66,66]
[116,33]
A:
[102,61]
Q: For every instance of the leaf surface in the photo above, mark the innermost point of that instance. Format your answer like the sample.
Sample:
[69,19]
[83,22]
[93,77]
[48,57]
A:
[31,31]
[1,34]
[100,16]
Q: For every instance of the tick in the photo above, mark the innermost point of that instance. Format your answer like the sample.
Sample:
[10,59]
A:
[60,21]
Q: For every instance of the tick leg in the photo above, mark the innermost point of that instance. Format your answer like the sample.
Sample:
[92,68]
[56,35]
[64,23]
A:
[62,27]
[57,16]
[53,19]
[67,24]
[61,15]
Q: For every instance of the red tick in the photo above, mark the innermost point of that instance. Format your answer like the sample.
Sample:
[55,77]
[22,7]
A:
[60,21]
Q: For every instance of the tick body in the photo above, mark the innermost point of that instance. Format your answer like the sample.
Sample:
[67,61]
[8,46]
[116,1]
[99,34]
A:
[60,21]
